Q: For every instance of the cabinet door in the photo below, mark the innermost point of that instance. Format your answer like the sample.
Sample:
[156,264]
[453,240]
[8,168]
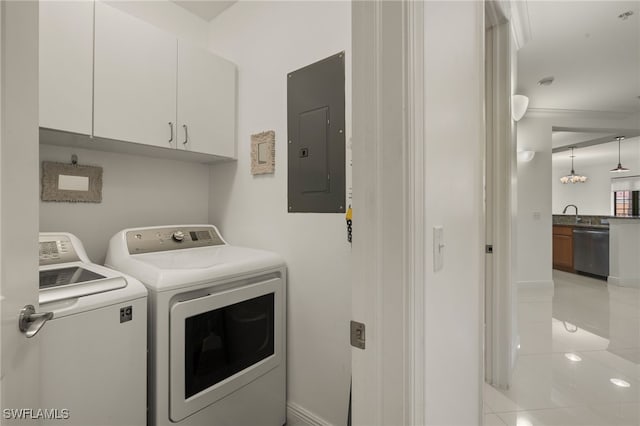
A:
[135,79]
[206,102]
[66,65]
[563,252]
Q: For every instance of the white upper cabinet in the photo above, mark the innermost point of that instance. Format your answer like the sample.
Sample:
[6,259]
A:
[206,102]
[66,65]
[135,80]
[107,74]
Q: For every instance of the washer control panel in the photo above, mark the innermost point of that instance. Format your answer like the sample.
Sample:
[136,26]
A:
[56,249]
[164,239]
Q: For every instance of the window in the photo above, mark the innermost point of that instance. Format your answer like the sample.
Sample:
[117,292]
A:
[626,203]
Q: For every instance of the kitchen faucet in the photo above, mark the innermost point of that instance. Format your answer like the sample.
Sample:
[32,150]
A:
[575,207]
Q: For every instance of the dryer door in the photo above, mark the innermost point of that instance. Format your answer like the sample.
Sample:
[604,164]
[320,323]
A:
[223,341]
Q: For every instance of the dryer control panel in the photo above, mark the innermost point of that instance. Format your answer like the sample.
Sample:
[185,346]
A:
[172,238]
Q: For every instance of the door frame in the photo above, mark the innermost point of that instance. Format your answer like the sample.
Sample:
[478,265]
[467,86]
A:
[499,279]
[507,30]
[389,250]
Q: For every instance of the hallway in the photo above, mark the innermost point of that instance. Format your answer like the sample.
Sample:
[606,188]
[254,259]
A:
[575,342]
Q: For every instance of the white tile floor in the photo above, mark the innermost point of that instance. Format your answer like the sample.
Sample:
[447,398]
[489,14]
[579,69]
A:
[584,317]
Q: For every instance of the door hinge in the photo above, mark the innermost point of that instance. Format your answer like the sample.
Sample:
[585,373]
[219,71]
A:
[358,335]
[488,248]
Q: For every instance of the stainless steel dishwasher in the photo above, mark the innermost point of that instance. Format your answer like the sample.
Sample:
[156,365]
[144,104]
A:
[591,251]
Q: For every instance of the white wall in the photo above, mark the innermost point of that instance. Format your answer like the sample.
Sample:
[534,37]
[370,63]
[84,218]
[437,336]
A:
[137,191]
[534,203]
[454,129]
[267,40]
[593,197]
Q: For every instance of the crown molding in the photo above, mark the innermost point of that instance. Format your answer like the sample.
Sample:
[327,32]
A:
[497,12]
[578,113]
[516,12]
[520,23]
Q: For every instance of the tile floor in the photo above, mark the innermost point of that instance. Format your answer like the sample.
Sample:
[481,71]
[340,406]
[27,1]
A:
[573,341]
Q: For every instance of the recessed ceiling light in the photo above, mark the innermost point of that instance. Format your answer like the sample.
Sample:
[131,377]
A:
[620,382]
[546,81]
[572,357]
[624,16]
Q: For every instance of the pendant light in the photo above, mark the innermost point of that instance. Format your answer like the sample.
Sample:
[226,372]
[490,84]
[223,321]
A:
[573,177]
[619,169]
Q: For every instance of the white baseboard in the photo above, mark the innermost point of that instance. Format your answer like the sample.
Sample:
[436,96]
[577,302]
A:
[300,415]
[623,282]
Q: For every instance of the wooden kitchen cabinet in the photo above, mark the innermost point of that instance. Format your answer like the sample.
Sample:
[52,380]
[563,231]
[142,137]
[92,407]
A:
[206,99]
[563,248]
[135,80]
[66,66]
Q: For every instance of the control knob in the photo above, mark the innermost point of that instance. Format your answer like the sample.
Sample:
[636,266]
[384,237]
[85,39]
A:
[178,236]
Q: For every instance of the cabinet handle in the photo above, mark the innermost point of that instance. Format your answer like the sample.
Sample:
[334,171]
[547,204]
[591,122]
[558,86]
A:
[171,128]
[186,134]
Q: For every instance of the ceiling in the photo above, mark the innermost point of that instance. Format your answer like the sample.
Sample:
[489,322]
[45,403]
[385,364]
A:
[568,138]
[603,154]
[564,138]
[205,9]
[593,55]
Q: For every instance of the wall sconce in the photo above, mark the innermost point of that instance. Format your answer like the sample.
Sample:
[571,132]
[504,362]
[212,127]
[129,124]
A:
[526,156]
[519,105]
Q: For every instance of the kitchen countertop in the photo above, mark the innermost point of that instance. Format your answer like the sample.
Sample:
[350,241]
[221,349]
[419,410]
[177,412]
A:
[588,221]
[582,225]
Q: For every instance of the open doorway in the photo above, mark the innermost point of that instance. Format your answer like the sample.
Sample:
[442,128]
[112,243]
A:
[578,338]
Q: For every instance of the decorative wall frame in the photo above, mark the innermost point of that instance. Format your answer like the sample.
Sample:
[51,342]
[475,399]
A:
[263,153]
[71,183]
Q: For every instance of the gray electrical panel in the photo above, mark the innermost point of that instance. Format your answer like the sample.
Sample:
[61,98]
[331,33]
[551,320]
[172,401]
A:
[316,134]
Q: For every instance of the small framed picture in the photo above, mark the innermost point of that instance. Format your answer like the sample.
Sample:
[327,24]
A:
[263,153]
[71,183]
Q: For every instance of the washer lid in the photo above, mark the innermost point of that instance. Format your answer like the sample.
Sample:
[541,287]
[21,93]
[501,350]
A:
[66,275]
[74,298]
[76,279]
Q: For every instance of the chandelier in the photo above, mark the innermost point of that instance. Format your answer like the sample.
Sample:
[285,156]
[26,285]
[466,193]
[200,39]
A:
[573,177]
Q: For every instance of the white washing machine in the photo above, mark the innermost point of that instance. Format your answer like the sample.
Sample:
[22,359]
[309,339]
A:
[217,350]
[94,347]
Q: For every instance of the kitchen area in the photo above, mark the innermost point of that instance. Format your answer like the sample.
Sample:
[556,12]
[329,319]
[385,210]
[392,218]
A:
[579,335]
[581,244]
[596,218]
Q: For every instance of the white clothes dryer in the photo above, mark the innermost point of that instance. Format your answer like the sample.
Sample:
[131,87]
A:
[94,347]
[217,325]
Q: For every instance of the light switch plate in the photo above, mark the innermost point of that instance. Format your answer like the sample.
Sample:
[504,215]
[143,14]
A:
[438,248]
